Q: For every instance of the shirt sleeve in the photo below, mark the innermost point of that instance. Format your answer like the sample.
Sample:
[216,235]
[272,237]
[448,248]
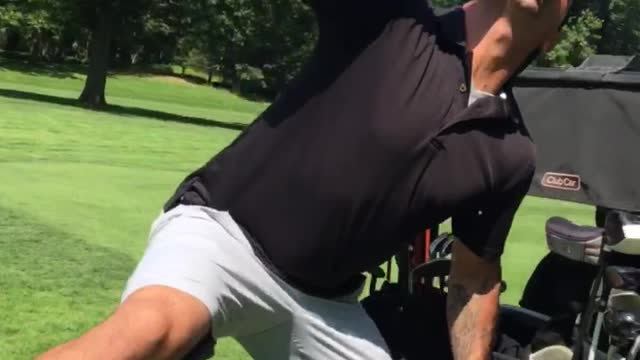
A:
[484,228]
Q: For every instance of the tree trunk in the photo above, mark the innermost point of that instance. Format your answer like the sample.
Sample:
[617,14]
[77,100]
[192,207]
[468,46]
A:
[605,44]
[99,49]
[124,57]
[36,47]
[230,74]
[210,75]
[13,40]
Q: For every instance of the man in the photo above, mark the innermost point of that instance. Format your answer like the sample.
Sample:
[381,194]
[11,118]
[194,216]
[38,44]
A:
[391,127]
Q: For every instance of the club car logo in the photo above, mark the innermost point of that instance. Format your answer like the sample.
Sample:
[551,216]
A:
[561,181]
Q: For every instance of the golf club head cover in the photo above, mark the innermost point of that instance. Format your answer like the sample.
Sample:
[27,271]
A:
[575,242]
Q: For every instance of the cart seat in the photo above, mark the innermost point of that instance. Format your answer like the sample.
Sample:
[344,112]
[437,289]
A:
[576,242]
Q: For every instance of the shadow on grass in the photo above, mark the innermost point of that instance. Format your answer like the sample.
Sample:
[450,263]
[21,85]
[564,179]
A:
[54,285]
[18,62]
[163,70]
[122,110]
[248,89]
[55,70]
[75,70]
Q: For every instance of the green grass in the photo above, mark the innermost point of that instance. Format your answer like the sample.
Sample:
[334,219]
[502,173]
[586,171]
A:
[159,93]
[80,189]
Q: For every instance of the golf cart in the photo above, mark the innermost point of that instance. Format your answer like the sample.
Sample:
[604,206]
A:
[586,122]
[582,301]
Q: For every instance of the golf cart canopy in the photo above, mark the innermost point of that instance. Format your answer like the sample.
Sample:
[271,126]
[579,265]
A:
[586,125]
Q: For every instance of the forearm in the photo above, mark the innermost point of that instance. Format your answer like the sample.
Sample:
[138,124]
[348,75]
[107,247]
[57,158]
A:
[472,304]
[154,323]
[102,342]
[472,319]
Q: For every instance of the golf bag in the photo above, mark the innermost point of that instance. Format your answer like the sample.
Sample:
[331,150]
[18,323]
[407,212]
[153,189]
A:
[411,314]
[559,287]
[415,325]
[589,284]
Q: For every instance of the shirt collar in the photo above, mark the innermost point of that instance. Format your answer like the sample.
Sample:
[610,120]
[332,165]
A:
[494,109]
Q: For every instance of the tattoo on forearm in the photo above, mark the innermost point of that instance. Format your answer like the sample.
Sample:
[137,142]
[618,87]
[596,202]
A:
[465,323]
[462,334]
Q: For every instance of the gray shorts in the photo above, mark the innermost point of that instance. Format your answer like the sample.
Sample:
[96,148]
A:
[204,253]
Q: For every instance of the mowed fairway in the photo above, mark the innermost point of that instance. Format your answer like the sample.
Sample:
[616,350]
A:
[79,189]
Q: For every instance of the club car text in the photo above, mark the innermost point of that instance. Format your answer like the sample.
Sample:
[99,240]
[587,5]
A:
[561,181]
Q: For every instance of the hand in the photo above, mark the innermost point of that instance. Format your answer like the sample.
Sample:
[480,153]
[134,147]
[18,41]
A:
[530,6]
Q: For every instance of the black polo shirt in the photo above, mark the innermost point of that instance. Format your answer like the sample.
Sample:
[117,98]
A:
[372,143]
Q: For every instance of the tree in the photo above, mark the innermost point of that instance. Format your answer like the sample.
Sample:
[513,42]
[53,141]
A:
[37,25]
[103,18]
[252,45]
[10,21]
[621,30]
[258,42]
[580,39]
[99,50]
[154,35]
[284,39]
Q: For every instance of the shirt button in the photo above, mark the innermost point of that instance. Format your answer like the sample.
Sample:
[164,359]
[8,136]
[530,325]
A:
[463,88]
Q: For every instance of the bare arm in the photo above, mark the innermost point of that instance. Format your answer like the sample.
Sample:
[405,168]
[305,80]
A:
[153,323]
[472,304]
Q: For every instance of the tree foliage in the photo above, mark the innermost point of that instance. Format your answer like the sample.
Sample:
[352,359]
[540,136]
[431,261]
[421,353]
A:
[594,26]
[252,45]
[622,30]
[40,25]
[250,41]
[580,40]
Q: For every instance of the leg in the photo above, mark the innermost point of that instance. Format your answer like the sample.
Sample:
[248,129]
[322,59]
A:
[273,344]
[320,329]
[344,331]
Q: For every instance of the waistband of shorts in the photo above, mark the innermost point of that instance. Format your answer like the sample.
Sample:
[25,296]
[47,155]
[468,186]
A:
[192,193]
